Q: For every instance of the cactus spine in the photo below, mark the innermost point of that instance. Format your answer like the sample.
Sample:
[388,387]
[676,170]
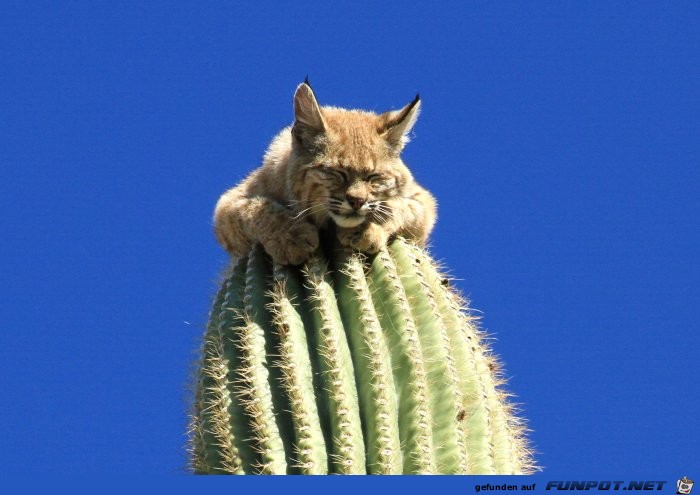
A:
[349,365]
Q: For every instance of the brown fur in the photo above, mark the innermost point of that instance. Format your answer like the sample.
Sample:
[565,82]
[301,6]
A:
[332,165]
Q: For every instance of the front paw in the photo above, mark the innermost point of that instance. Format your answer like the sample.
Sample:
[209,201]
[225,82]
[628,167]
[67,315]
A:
[367,238]
[293,245]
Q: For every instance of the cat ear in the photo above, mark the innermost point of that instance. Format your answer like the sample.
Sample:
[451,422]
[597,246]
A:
[398,124]
[308,120]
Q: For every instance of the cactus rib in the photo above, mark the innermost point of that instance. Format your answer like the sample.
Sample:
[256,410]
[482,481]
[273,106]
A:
[446,399]
[254,392]
[215,450]
[347,451]
[415,422]
[373,370]
[309,444]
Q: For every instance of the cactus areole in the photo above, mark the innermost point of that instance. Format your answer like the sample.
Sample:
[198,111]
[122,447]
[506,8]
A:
[351,365]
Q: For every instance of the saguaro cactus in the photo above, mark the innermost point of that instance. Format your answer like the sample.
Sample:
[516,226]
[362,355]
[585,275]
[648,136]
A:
[349,365]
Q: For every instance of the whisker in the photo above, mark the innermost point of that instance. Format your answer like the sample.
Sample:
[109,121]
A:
[301,213]
[315,208]
[380,211]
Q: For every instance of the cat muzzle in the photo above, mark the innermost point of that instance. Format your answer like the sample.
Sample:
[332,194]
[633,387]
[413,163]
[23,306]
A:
[348,221]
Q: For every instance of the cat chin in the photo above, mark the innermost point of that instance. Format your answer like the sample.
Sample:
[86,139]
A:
[347,222]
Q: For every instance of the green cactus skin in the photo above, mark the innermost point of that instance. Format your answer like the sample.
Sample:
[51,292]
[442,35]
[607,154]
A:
[349,365]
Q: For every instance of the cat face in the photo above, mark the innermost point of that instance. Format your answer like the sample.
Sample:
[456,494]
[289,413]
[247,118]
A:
[351,195]
[349,160]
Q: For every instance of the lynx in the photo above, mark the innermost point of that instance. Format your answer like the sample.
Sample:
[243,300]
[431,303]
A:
[332,166]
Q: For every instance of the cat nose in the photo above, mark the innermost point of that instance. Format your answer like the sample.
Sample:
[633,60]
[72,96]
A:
[355,201]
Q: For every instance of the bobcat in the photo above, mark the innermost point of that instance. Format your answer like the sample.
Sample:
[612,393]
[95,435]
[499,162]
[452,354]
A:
[332,165]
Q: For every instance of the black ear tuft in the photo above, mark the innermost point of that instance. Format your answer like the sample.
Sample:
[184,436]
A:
[398,124]
[306,81]
[413,103]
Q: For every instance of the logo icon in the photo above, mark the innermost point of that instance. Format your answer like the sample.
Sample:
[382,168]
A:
[684,485]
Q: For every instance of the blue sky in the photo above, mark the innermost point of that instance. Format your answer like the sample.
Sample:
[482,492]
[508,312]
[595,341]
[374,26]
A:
[560,138]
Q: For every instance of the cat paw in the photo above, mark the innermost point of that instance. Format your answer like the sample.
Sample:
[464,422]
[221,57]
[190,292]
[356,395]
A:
[367,238]
[294,245]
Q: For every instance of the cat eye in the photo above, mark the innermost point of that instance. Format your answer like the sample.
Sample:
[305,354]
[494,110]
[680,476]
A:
[379,179]
[381,182]
[333,173]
